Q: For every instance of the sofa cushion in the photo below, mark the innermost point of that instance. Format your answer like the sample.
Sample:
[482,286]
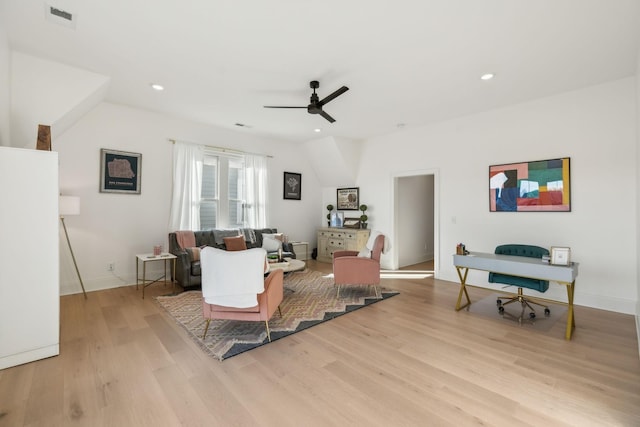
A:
[235,243]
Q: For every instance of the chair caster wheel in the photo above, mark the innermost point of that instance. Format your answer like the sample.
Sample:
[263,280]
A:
[499,302]
[501,309]
[547,312]
[532,315]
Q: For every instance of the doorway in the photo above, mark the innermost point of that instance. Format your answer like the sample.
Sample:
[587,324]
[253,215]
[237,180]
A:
[415,218]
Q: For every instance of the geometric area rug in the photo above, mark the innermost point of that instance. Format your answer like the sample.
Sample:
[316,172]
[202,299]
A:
[309,299]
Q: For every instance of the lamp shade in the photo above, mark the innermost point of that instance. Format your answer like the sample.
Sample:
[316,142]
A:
[69,205]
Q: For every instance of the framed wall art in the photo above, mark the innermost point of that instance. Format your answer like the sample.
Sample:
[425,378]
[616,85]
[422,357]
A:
[120,171]
[348,199]
[292,186]
[538,186]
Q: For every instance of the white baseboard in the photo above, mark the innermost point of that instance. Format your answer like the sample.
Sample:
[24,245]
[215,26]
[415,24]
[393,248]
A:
[29,356]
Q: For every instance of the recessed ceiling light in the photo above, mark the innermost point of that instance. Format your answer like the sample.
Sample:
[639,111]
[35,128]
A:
[157,87]
[487,76]
[317,130]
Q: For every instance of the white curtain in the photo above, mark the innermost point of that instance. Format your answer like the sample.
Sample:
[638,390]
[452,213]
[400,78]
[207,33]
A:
[187,186]
[255,170]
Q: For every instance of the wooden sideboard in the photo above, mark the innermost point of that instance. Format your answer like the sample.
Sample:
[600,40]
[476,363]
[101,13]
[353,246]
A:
[332,239]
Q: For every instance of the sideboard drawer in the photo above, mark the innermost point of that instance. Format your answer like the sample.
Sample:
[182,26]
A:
[335,243]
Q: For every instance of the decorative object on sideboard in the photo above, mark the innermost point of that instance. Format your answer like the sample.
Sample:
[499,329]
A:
[329,208]
[337,219]
[348,199]
[363,217]
[351,222]
[70,205]
[120,171]
[292,186]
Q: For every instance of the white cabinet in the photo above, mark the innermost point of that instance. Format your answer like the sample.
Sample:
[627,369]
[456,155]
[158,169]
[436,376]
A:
[339,239]
[29,256]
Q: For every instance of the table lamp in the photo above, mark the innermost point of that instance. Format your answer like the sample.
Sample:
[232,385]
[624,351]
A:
[70,205]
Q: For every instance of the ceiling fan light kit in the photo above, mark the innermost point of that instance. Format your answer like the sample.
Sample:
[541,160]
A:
[315,103]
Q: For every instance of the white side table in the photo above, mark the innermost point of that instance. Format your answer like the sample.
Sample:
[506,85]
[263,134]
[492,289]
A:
[145,258]
[301,249]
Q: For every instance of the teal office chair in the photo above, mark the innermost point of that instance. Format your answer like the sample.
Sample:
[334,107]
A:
[521,282]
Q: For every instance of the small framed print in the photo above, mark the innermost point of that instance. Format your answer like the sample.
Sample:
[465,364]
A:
[351,223]
[560,255]
[292,186]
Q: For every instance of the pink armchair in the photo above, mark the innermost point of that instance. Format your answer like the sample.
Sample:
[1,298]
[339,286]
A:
[234,287]
[351,269]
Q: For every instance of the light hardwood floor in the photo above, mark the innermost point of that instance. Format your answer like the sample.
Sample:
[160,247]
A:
[411,360]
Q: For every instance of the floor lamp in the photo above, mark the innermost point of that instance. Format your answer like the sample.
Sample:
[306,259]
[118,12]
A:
[70,205]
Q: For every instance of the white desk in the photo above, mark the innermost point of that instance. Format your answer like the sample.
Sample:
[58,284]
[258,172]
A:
[532,268]
[145,258]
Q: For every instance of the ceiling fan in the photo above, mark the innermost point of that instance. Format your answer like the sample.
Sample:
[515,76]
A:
[315,105]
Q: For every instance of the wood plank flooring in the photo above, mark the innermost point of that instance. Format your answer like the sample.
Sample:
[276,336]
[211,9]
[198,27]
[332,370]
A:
[411,360]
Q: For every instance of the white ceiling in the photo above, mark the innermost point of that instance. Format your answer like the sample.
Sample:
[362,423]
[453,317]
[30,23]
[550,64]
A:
[405,61]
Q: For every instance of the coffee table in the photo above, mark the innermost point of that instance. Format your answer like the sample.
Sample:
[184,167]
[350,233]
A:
[290,266]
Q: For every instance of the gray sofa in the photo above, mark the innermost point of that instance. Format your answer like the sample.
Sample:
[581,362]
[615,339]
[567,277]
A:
[187,271]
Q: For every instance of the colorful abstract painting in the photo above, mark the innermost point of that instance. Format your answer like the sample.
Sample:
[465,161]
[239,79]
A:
[540,186]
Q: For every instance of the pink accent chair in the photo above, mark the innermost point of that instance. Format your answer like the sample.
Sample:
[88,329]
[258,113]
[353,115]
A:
[234,286]
[351,269]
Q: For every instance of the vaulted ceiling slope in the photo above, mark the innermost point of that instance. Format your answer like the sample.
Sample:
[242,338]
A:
[406,63]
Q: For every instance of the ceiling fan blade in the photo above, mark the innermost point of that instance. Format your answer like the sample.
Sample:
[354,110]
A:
[326,116]
[276,106]
[334,95]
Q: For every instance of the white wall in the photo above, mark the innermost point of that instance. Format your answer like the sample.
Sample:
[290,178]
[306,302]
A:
[49,93]
[115,227]
[5,88]
[595,127]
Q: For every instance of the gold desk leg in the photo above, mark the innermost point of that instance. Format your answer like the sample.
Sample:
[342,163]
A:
[137,277]
[463,289]
[571,321]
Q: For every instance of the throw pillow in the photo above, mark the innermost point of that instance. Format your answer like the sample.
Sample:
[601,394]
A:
[236,243]
[194,254]
[270,244]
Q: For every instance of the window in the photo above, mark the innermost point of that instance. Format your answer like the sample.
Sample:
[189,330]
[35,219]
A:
[222,203]
[209,193]
[236,217]
[213,188]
